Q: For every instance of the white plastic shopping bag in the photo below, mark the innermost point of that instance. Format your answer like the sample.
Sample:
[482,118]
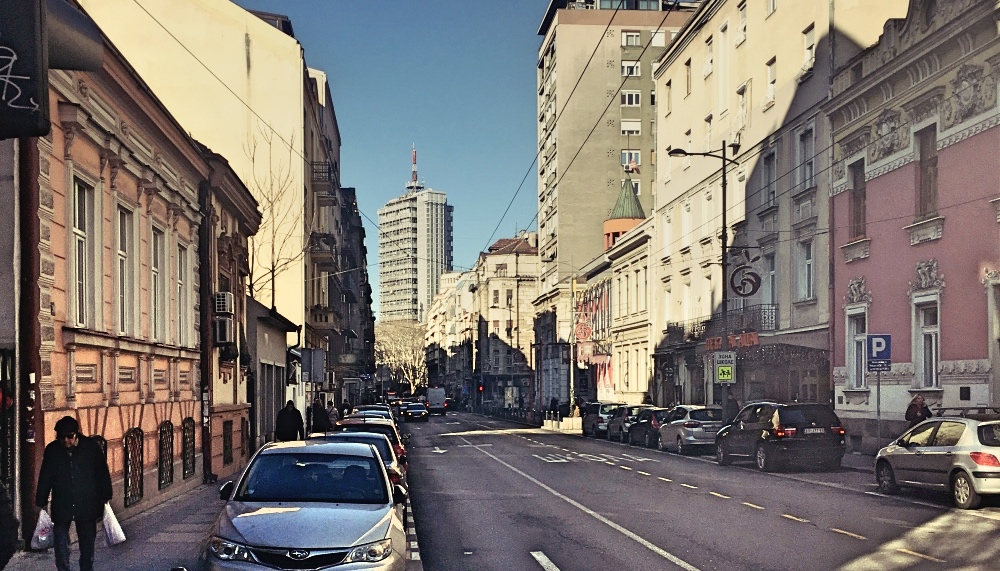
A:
[42,538]
[112,529]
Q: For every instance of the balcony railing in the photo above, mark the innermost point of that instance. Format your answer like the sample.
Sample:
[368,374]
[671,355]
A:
[763,317]
[322,248]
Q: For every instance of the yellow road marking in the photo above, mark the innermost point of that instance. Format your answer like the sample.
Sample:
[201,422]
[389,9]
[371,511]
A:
[718,495]
[920,555]
[848,534]
[754,506]
[798,519]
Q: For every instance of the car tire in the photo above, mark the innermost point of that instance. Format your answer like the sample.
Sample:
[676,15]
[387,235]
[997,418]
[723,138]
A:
[680,447]
[763,458]
[659,443]
[722,454]
[623,437]
[963,492]
[886,478]
[608,435]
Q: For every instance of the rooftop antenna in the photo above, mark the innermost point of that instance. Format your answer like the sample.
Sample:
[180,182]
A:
[413,185]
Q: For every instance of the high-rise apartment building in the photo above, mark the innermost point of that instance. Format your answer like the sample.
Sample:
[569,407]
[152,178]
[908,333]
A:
[415,248]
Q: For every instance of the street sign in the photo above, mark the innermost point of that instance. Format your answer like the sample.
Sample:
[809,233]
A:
[879,349]
[725,367]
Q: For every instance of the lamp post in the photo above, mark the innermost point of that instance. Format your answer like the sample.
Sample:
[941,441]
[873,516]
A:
[725,230]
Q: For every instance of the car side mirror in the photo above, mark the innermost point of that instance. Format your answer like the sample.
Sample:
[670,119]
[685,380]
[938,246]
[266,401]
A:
[398,495]
[226,490]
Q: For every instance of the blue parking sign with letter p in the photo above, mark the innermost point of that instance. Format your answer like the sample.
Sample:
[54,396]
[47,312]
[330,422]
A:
[879,353]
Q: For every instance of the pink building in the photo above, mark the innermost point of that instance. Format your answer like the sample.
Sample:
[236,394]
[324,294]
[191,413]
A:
[914,213]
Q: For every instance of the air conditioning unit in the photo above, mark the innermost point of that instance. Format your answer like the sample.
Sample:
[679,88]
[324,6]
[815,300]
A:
[223,302]
[225,333]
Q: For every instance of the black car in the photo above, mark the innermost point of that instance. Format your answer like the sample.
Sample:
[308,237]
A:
[773,434]
[416,411]
[646,428]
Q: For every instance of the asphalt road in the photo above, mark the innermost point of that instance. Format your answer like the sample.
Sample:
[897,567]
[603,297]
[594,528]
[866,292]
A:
[489,495]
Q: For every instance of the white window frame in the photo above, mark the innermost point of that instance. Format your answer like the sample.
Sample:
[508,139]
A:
[741,29]
[630,155]
[157,284]
[772,6]
[709,57]
[84,235]
[124,270]
[769,287]
[856,346]
[809,47]
[631,38]
[772,82]
[805,274]
[631,98]
[183,295]
[635,185]
[631,68]
[921,334]
[659,39]
[631,127]
[807,158]
[770,174]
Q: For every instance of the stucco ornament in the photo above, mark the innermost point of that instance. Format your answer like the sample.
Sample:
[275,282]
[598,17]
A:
[927,276]
[887,134]
[857,291]
[972,94]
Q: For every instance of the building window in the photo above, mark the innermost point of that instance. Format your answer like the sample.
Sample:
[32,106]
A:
[708,133]
[809,47]
[501,270]
[806,277]
[635,185]
[772,82]
[927,339]
[770,180]
[183,305]
[769,287]
[772,5]
[666,98]
[631,98]
[687,77]
[807,145]
[631,68]
[857,335]
[707,69]
[741,30]
[630,157]
[83,270]
[630,39]
[652,98]
[124,278]
[157,290]
[858,199]
[496,297]
[927,183]
[631,127]
[659,39]
[510,298]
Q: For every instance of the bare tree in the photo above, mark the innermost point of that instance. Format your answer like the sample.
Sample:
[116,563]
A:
[399,347]
[281,241]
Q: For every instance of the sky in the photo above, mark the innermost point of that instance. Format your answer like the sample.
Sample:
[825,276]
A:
[455,78]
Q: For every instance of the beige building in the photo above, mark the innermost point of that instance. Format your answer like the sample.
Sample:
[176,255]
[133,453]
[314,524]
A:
[745,79]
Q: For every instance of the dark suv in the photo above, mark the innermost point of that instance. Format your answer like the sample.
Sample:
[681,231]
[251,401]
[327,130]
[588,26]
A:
[774,434]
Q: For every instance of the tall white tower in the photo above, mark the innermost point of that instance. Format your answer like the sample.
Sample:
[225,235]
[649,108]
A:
[415,248]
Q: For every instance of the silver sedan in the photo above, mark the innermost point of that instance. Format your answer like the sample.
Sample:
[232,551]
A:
[960,455]
[690,426]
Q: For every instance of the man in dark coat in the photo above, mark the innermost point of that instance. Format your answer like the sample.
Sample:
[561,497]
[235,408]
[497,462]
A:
[730,406]
[319,420]
[288,425]
[76,473]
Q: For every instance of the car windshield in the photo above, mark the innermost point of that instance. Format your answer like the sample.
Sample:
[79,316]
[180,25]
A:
[989,434]
[706,414]
[378,429]
[375,439]
[311,477]
[415,407]
[662,415]
[818,415]
[609,408]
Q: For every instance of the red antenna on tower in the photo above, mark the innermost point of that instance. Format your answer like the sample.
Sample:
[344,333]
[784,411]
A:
[413,185]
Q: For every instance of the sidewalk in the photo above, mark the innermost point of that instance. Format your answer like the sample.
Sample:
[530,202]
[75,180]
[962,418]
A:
[858,462]
[165,536]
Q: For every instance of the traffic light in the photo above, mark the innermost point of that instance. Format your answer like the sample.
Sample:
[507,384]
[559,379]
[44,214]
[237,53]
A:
[36,35]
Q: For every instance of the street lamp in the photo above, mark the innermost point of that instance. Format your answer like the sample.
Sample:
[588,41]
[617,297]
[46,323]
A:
[725,231]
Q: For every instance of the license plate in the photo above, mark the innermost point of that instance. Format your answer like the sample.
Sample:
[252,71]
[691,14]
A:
[814,431]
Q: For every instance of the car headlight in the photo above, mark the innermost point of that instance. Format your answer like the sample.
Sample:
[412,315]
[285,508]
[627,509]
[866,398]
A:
[376,551]
[229,550]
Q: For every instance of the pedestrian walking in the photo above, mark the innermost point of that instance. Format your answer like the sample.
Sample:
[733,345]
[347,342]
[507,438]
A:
[318,419]
[75,471]
[730,407]
[917,412]
[288,425]
[345,408]
[331,413]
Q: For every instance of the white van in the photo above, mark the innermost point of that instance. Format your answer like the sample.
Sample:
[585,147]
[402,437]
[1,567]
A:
[436,400]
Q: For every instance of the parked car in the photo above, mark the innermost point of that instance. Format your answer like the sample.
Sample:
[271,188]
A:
[960,455]
[372,413]
[380,425]
[394,464]
[621,420]
[416,411]
[689,427]
[596,416]
[645,430]
[314,504]
[773,434]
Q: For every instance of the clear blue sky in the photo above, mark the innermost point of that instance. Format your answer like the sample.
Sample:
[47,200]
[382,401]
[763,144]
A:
[456,78]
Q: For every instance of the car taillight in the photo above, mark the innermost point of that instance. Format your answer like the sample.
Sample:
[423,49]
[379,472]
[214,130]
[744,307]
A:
[600,420]
[838,430]
[395,479]
[985,459]
[692,424]
[399,450]
[782,431]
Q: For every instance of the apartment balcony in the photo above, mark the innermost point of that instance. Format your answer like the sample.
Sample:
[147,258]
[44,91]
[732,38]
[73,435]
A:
[753,318]
[324,318]
[325,177]
[322,251]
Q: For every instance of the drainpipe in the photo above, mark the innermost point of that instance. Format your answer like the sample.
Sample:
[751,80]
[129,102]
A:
[206,270]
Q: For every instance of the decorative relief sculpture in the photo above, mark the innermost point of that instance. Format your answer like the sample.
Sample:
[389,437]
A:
[857,291]
[888,134]
[973,92]
[927,277]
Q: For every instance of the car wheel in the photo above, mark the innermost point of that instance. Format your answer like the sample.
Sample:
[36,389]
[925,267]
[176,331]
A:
[680,446]
[608,435]
[622,436]
[763,458]
[722,454]
[963,493]
[886,478]
[659,443]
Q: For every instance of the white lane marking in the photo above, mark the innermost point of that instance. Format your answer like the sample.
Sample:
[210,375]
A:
[414,556]
[643,473]
[754,506]
[437,450]
[625,468]
[413,545]
[718,495]
[544,561]
[622,530]
[793,518]
[848,534]
[664,479]
[690,486]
